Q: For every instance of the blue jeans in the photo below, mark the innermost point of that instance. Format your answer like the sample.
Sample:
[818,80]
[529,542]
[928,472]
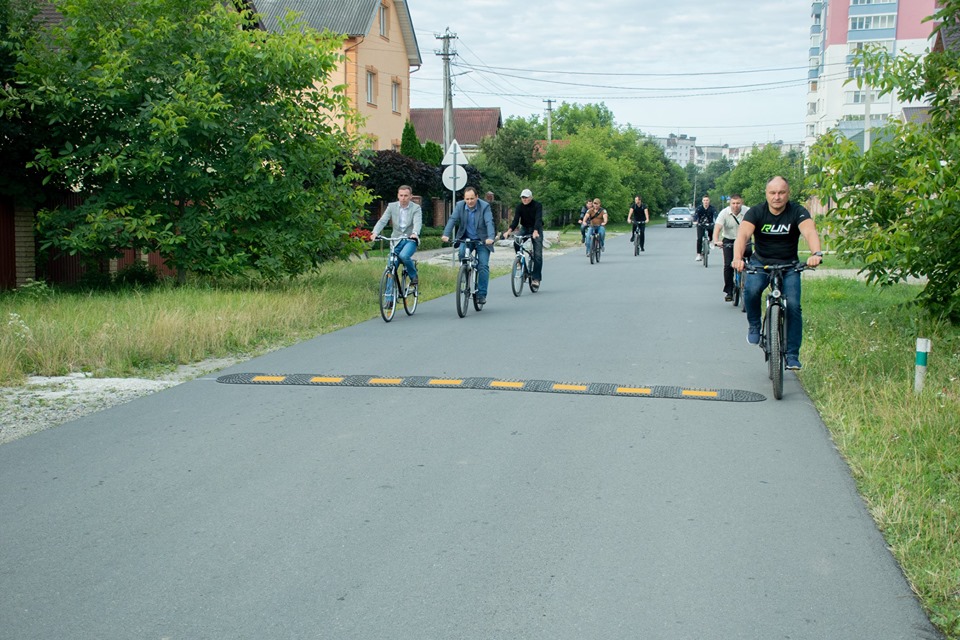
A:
[405,249]
[592,230]
[753,288]
[483,268]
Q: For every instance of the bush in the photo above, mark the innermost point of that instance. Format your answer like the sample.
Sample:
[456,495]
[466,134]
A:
[138,274]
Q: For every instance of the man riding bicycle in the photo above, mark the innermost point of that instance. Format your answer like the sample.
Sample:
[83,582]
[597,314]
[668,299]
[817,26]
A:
[596,219]
[776,226]
[407,219]
[473,220]
[639,215]
[724,235]
[705,216]
[528,220]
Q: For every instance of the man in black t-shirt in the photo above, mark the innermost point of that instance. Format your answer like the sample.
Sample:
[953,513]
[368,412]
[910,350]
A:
[776,227]
[639,215]
[706,216]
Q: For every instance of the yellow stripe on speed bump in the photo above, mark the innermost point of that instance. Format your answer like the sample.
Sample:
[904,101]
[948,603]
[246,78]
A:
[269,378]
[506,384]
[645,391]
[325,379]
[699,394]
[570,387]
[385,381]
[441,381]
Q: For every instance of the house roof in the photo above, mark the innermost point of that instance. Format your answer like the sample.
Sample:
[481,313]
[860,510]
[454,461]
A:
[47,14]
[918,115]
[352,19]
[470,125]
[948,37]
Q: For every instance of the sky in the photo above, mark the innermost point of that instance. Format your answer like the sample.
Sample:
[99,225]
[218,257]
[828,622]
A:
[725,71]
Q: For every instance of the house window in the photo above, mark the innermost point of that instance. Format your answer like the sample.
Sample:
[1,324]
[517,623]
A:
[856,2]
[384,21]
[371,86]
[811,130]
[395,96]
[860,97]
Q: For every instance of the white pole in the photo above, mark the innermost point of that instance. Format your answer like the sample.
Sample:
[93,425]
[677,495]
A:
[923,348]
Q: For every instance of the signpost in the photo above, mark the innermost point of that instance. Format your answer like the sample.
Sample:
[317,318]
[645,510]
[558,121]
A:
[455,173]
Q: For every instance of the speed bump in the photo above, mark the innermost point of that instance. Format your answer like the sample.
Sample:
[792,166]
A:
[542,386]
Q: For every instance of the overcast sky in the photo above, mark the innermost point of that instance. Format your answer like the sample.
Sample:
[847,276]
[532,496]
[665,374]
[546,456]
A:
[726,71]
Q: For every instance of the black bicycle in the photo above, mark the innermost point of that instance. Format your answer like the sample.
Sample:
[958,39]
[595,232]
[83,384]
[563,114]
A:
[594,251]
[467,277]
[637,230]
[738,280]
[705,245]
[773,329]
[522,265]
[395,283]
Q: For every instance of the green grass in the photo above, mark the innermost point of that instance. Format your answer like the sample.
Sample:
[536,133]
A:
[902,448]
[859,345]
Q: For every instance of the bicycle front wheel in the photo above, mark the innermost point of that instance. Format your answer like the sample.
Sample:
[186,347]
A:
[463,290]
[776,350]
[517,275]
[474,276]
[706,251]
[411,294]
[737,288]
[388,296]
[636,243]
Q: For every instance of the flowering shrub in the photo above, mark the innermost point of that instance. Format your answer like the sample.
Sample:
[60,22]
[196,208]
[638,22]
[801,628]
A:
[361,234]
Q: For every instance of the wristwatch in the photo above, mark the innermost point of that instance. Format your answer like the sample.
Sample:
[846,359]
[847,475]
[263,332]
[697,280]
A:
[819,254]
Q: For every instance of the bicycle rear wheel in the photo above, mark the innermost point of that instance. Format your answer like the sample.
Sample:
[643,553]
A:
[463,290]
[517,275]
[388,296]
[410,293]
[776,350]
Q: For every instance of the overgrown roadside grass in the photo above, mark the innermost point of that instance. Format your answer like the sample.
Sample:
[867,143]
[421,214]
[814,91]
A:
[143,333]
[902,448]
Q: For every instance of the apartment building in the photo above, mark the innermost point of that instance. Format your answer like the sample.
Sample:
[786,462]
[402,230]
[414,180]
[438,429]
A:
[839,29]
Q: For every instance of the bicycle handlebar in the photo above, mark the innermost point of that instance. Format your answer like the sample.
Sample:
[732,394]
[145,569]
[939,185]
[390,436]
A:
[793,266]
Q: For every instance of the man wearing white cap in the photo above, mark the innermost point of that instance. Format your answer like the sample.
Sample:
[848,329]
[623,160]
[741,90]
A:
[528,219]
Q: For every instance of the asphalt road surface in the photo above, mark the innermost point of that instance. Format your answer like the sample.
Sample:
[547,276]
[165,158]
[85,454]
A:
[215,510]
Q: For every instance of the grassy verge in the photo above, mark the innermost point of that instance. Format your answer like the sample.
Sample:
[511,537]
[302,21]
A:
[903,448]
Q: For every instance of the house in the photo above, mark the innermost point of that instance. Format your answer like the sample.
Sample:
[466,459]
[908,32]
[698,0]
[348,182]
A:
[380,48]
[470,126]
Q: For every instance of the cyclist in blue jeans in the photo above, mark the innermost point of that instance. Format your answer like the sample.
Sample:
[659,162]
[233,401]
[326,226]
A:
[776,227]
[596,221]
[473,219]
[406,218]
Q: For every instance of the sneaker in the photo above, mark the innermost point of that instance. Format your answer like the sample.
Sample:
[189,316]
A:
[793,363]
[631,238]
[699,258]
[535,284]
[481,300]
[642,249]
[414,283]
[728,298]
[753,337]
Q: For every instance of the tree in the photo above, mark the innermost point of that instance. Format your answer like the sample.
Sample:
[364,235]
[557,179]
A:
[749,178]
[580,170]
[894,206]
[410,144]
[507,160]
[193,133]
[432,153]
[387,170]
[569,119]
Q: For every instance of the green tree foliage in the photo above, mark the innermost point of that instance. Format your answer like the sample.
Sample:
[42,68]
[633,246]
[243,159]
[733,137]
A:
[191,132]
[432,153]
[21,131]
[749,178]
[507,160]
[570,119]
[895,206]
[579,170]
[410,144]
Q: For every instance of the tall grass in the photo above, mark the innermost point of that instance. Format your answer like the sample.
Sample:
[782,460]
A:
[903,448]
[144,332]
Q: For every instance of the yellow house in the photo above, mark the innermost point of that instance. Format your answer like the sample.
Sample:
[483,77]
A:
[380,49]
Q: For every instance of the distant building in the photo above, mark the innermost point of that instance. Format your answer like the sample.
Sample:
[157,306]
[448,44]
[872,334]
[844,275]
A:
[470,126]
[678,148]
[840,28]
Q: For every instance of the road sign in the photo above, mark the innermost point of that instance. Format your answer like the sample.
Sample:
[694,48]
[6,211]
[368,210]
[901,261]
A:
[454,155]
[455,184]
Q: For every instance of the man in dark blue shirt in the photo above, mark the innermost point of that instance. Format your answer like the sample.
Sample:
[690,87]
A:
[473,219]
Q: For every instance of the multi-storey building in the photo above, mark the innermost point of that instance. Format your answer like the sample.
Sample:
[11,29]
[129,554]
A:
[840,29]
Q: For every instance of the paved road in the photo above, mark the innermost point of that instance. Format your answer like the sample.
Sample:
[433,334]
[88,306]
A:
[215,510]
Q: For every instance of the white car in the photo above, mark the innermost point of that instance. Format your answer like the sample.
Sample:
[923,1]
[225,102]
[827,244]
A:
[679,217]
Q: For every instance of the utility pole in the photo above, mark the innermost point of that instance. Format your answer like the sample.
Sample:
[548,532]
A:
[549,121]
[447,54]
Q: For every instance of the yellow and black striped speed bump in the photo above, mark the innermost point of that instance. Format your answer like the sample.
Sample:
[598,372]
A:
[546,386]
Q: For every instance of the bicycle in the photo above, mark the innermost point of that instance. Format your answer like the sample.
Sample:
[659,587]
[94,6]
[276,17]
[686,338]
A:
[395,282]
[705,242]
[636,237]
[773,328]
[522,265]
[738,281]
[467,277]
[594,251]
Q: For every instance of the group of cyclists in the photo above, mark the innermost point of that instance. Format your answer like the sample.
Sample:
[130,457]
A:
[766,234]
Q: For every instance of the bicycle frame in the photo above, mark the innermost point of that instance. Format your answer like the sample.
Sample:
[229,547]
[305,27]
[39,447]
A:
[394,283]
[522,265]
[467,277]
